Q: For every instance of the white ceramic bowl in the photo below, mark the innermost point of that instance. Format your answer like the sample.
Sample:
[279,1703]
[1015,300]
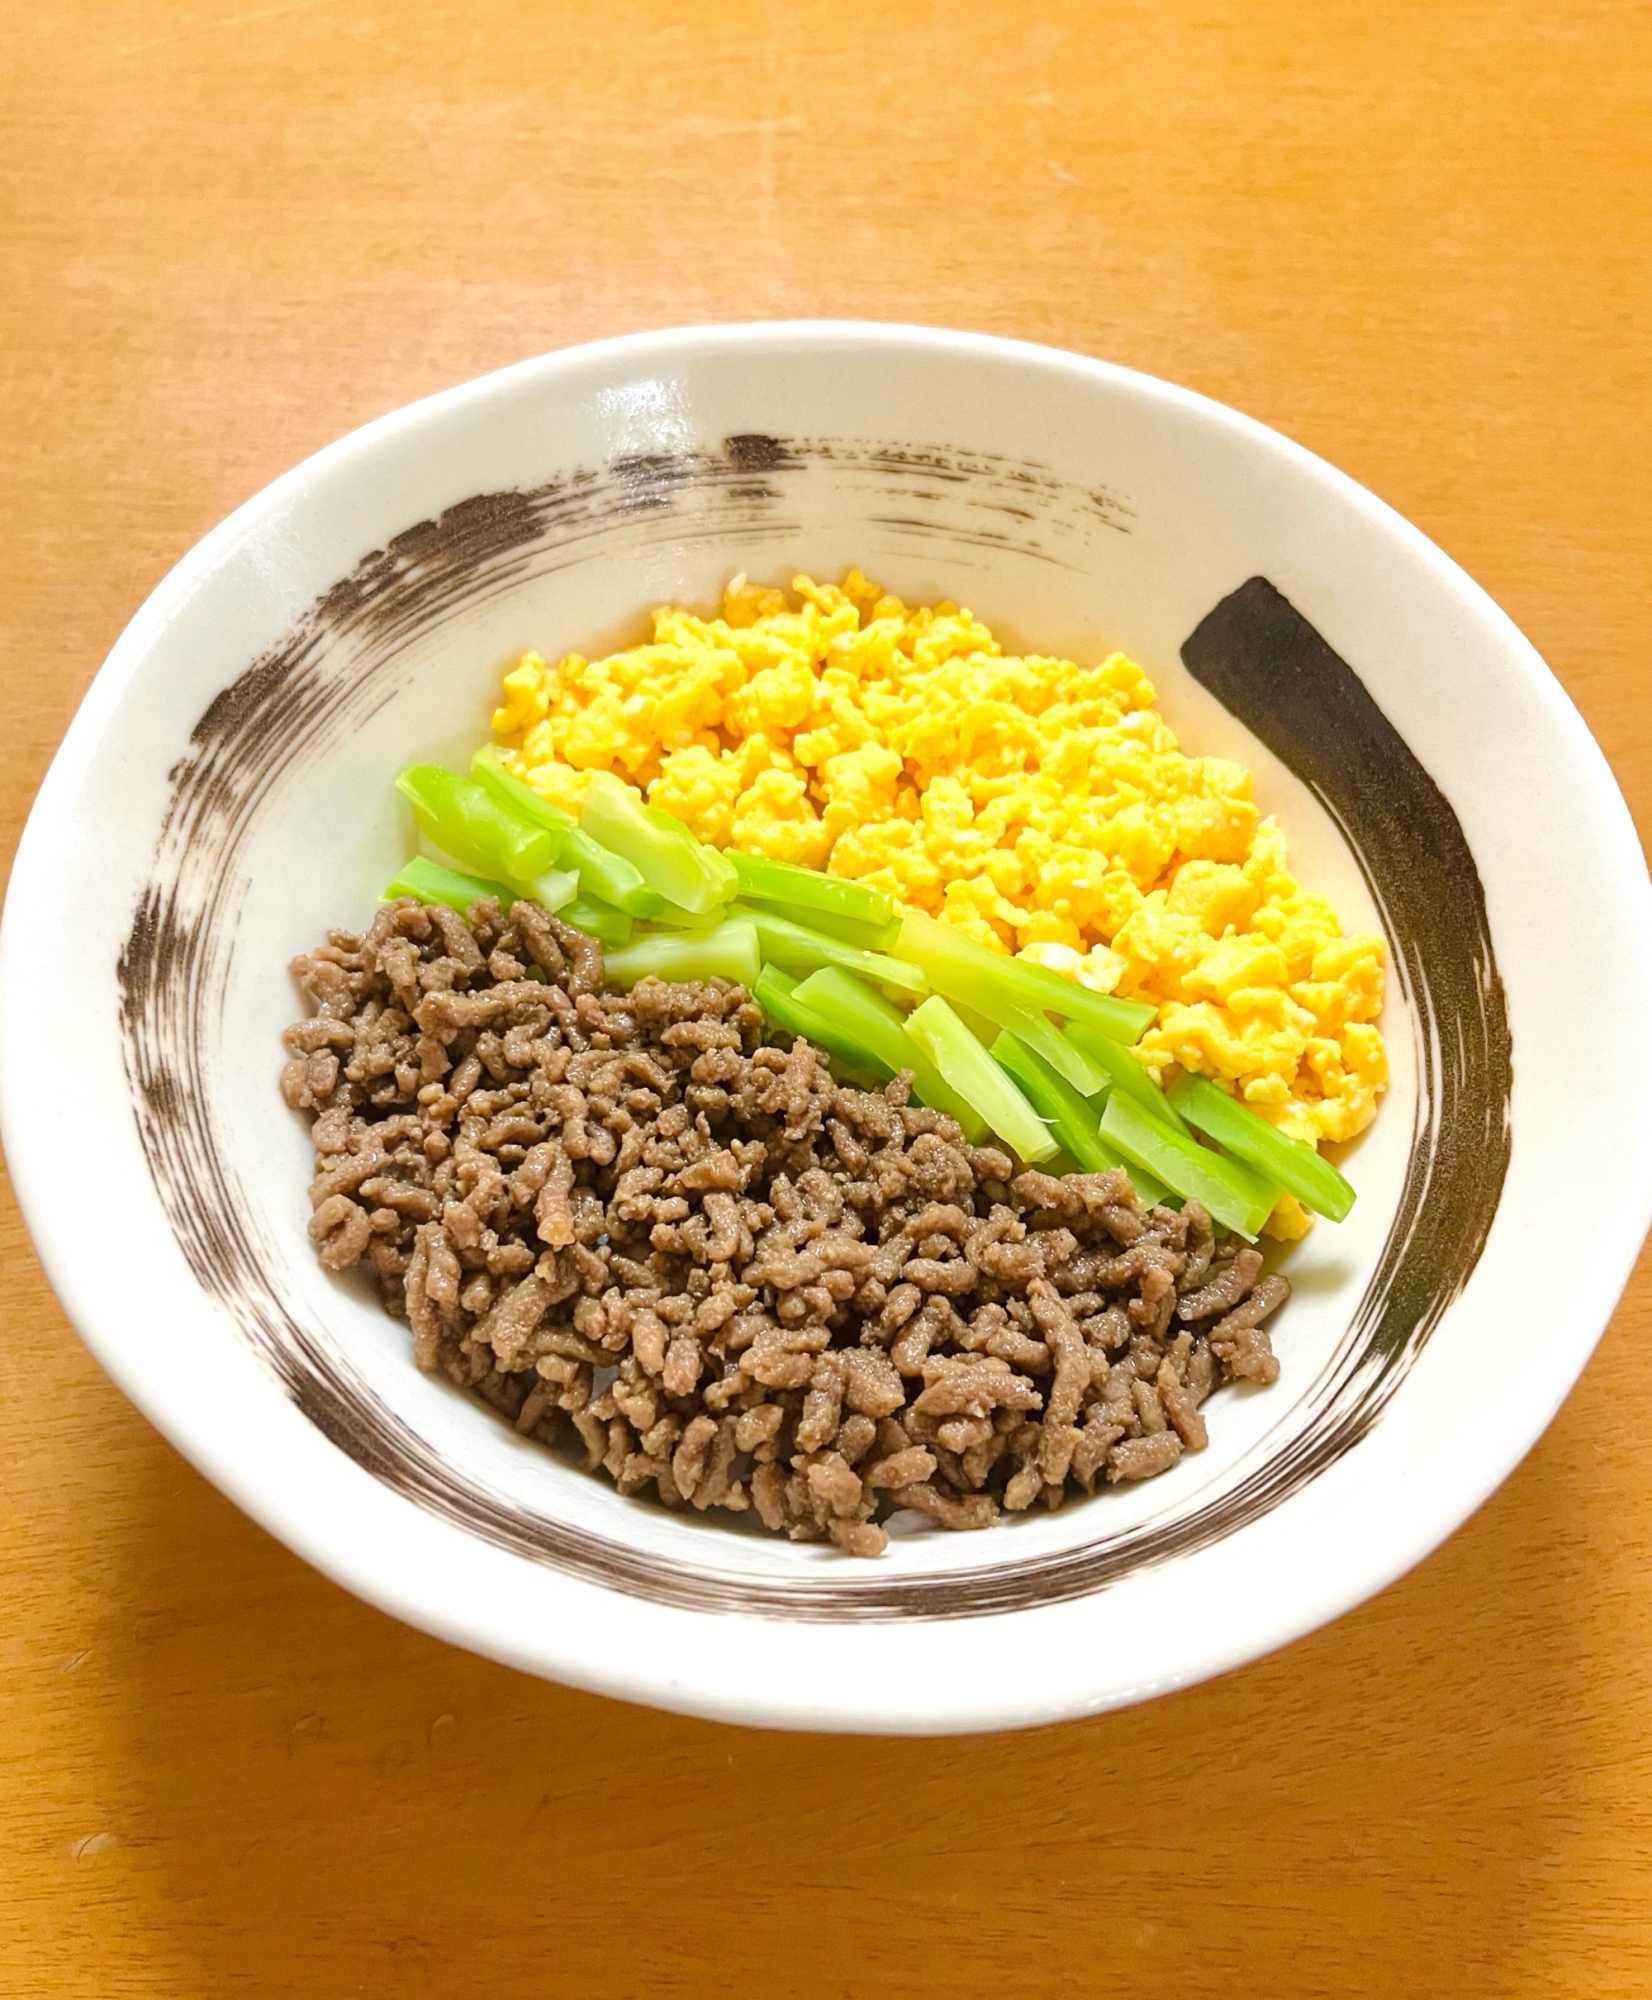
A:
[224,796]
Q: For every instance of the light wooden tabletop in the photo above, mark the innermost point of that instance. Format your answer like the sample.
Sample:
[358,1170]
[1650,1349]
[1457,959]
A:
[1414,236]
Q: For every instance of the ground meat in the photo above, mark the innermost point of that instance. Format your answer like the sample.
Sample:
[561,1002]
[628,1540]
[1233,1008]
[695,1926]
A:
[635,1230]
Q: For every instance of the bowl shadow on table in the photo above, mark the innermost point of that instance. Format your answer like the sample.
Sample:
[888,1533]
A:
[325,1801]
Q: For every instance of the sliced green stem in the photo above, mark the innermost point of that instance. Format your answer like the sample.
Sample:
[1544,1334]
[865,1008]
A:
[611,928]
[430,882]
[862,1013]
[1039,1033]
[1075,1121]
[988,981]
[608,876]
[727,952]
[668,857]
[466,822]
[1125,1072]
[777,994]
[487,769]
[970,979]
[1295,1165]
[978,1080]
[796,948]
[806,891]
[669,917]
[1235,1196]
[715,862]
[602,873]
[864,937]
[553,889]
[1123,1020]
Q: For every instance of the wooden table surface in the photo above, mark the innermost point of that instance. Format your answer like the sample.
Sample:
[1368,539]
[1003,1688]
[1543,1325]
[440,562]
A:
[1415,236]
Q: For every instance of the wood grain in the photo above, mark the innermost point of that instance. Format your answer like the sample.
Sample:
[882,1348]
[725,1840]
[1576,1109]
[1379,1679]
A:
[1414,236]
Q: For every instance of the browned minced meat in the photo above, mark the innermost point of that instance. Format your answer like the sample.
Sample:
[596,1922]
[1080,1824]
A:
[626,1223]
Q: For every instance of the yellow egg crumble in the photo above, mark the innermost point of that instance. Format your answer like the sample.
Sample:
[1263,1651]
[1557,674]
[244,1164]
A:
[1037,805]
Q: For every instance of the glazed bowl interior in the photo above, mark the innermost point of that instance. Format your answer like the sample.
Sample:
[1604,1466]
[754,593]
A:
[225,799]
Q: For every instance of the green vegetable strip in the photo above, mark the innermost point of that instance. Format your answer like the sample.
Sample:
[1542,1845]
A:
[808,890]
[716,864]
[967,971]
[1038,1032]
[796,948]
[669,917]
[465,822]
[984,1031]
[977,993]
[1294,1165]
[860,1011]
[430,882]
[603,874]
[610,927]
[978,1080]
[1069,1117]
[864,937]
[1151,1192]
[1075,1121]
[1121,1020]
[553,889]
[778,997]
[727,952]
[1126,1073]
[668,857]
[1235,1196]
[608,876]
[487,769]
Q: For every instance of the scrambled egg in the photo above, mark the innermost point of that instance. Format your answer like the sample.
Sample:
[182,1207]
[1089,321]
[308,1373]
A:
[1037,805]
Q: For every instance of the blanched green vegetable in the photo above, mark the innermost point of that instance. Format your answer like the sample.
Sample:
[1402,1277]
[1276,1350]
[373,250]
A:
[468,823]
[989,981]
[1037,1031]
[802,891]
[487,769]
[608,876]
[1121,1020]
[1125,1072]
[430,882]
[667,856]
[1234,1195]
[552,890]
[712,859]
[602,873]
[610,927]
[864,937]
[778,996]
[590,867]
[670,917]
[796,948]
[1235,1127]
[1074,1122]
[862,1013]
[977,1079]
[729,951]
[980,996]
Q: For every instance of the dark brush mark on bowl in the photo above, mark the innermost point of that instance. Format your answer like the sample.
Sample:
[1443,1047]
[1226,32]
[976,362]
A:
[756,451]
[346,658]
[1269,667]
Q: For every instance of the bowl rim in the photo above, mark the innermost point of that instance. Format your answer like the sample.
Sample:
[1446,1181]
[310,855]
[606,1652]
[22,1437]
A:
[1477,1473]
